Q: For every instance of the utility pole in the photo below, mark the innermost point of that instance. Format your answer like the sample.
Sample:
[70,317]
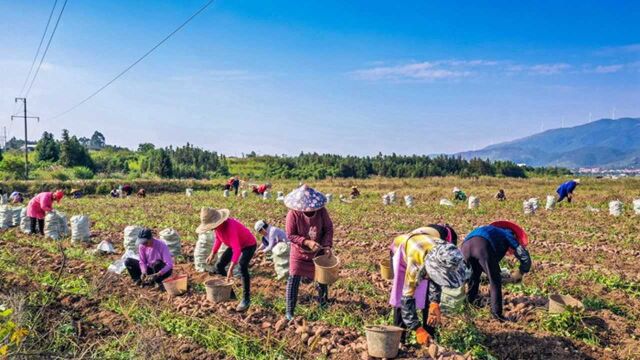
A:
[26,142]
[4,138]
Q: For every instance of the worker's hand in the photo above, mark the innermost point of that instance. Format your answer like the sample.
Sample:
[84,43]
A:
[152,278]
[144,278]
[516,276]
[230,272]
[311,245]
[422,336]
[210,258]
[435,316]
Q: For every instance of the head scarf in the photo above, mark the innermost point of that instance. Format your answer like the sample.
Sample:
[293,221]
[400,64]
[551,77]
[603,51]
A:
[445,265]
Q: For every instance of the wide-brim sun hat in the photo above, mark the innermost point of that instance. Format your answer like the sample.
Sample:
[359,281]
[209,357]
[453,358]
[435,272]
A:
[211,218]
[577,181]
[445,265]
[519,232]
[305,199]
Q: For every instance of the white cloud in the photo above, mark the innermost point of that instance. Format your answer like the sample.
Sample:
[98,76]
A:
[548,69]
[608,69]
[617,50]
[423,71]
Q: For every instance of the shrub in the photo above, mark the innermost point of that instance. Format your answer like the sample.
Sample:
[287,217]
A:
[59,175]
[81,172]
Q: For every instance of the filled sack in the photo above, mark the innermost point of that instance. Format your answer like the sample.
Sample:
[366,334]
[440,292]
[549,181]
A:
[130,236]
[55,225]
[551,202]
[17,216]
[6,216]
[172,239]
[636,206]
[280,254]
[203,248]
[80,228]
[615,208]
[474,202]
[408,200]
[25,222]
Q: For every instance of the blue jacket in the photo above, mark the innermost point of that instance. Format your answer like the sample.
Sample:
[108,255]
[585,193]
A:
[501,240]
[566,188]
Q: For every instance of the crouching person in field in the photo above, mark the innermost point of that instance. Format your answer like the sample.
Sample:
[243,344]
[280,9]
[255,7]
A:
[39,206]
[483,249]
[155,264]
[271,236]
[241,246]
[424,261]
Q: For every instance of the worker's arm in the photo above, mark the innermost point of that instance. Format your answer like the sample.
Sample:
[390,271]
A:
[327,231]
[167,259]
[408,302]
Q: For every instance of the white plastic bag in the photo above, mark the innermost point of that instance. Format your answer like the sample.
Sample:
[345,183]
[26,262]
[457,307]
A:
[386,200]
[392,197]
[106,246]
[118,265]
[329,198]
[527,207]
[225,193]
[25,222]
[474,202]
[80,228]
[6,216]
[203,248]
[636,206]
[189,192]
[55,225]
[551,202]
[408,200]
[615,208]
[266,195]
[130,236]
[244,194]
[280,254]
[15,219]
[172,239]
[446,202]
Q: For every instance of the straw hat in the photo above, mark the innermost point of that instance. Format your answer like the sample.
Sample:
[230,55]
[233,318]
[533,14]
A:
[210,219]
[305,199]
[577,181]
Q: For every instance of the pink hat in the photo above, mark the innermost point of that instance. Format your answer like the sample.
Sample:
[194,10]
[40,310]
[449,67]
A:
[305,199]
[519,232]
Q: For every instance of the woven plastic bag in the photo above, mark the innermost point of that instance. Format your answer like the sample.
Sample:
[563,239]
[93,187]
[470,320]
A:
[55,225]
[386,199]
[408,200]
[551,202]
[636,206]
[225,193]
[80,228]
[25,222]
[527,208]
[130,236]
[203,248]
[615,208]
[172,239]
[6,216]
[266,195]
[189,192]
[280,254]
[17,215]
[446,202]
[474,202]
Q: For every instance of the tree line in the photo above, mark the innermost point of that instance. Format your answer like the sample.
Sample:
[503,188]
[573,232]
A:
[71,157]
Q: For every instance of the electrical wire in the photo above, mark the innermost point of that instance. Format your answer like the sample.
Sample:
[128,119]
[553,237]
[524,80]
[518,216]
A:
[35,57]
[135,62]
[53,32]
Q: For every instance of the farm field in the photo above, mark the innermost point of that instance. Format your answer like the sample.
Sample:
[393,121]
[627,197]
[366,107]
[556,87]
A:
[88,312]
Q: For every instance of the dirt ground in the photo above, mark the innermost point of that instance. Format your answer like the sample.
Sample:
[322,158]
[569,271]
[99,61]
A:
[589,255]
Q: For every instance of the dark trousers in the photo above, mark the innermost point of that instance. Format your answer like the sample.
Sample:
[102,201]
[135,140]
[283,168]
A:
[235,189]
[293,285]
[397,320]
[480,255]
[40,223]
[133,267]
[243,262]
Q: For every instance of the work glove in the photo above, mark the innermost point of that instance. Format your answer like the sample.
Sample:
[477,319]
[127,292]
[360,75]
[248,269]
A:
[516,276]
[435,316]
[409,313]
[422,336]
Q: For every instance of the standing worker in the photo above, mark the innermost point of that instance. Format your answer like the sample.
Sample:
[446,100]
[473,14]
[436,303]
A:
[483,249]
[310,230]
[39,206]
[423,261]
[235,184]
[241,245]
[566,190]
[155,264]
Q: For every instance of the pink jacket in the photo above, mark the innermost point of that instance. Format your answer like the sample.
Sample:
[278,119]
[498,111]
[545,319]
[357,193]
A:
[40,205]
[236,236]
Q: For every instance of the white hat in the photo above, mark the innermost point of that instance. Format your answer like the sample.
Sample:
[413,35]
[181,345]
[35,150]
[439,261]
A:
[456,189]
[260,224]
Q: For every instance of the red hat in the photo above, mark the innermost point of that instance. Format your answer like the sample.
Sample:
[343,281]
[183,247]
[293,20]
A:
[58,195]
[519,232]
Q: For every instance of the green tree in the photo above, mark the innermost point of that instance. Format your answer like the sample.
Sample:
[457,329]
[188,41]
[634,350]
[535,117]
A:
[97,141]
[146,147]
[47,148]
[72,153]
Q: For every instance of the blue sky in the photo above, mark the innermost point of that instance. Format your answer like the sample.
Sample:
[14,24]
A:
[350,77]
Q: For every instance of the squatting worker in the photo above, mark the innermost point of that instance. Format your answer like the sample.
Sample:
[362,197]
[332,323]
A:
[261,189]
[565,191]
[240,242]
[423,261]
[155,264]
[310,230]
[39,206]
[354,192]
[483,249]
[271,236]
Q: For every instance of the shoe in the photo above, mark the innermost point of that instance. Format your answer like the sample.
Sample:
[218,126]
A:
[243,306]
[289,316]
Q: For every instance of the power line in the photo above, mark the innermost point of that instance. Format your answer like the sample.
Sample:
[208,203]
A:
[135,62]
[35,57]
[53,32]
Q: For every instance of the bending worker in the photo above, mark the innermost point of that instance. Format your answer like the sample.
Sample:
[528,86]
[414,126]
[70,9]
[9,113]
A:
[423,262]
[270,235]
[39,206]
[566,190]
[483,249]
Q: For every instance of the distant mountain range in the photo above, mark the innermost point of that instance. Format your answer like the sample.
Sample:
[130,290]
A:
[604,143]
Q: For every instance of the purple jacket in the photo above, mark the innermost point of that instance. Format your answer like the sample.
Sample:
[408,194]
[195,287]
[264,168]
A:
[150,254]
